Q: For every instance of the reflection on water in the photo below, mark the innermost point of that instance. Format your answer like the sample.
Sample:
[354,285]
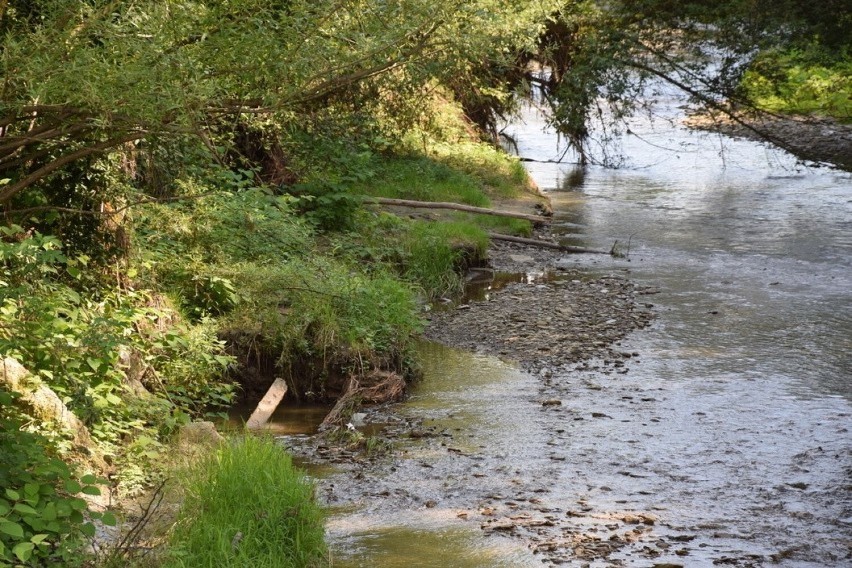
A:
[401,546]
[287,420]
[753,252]
[421,518]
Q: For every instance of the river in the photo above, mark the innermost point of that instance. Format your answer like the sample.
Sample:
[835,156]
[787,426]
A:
[725,443]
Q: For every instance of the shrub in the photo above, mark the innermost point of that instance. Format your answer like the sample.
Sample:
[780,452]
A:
[42,521]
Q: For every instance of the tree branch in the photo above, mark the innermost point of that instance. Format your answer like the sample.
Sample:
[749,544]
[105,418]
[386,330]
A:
[10,191]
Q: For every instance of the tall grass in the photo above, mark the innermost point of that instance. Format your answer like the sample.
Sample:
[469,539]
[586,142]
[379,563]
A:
[247,506]
[434,251]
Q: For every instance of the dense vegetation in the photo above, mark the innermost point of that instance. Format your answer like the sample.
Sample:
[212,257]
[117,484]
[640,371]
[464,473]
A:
[183,190]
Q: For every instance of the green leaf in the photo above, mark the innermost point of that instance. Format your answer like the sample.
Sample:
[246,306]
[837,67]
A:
[38,538]
[89,479]
[88,529]
[72,486]
[25,509]
[91,490]
[4,508]
[23,550]
[12,529]
[49,512]
[35,522]
[63,509]
[109,519]
[54,527]
[12,494]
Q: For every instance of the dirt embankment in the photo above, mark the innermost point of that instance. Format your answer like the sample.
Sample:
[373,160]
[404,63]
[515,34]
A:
[816,139]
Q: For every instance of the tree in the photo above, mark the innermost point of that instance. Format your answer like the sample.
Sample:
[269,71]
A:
[83,78]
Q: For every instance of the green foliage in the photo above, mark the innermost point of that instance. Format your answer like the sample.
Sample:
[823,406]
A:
[325,309]
[423,179]
[81,340]
[43,521]
[801,82]
[328,206]
[434,253]
[248,506]
[499,174]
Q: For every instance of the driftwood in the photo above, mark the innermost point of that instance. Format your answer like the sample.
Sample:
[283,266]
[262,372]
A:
[48,407]
[376,387]
[267,405]
[535,219]
[544,244]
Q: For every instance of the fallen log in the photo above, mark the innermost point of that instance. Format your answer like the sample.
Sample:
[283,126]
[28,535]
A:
[535,219]
[545,244]
[267,405]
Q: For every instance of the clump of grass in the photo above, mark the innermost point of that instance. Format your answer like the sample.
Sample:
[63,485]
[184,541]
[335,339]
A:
[435,250]
[247,505]
[500,174]
[324,306]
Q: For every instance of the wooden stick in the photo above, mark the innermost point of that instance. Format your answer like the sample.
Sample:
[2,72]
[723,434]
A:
[544,244]
[267,405]
[536,219]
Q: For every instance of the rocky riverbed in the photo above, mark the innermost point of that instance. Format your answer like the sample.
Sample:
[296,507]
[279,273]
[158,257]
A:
[554,318]
[562,326]
[817,139]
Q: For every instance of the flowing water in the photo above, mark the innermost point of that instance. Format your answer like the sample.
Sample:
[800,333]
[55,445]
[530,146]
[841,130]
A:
[732,429]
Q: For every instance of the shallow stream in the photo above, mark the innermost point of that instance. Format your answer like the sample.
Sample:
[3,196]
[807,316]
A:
[726,442]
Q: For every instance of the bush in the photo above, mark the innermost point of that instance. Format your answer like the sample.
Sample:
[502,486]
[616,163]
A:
[801,81]
[247,506]
[77,336]
[42,521]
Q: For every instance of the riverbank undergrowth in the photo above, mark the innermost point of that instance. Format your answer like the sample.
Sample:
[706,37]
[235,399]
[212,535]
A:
[247,505]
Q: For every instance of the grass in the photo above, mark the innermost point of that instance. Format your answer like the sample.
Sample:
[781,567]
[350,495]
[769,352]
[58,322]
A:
[247,506]
[434,251]
[424,179]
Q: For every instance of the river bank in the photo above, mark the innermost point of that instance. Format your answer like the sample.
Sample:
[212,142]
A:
[724,442]
[813,138]
[563,326]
